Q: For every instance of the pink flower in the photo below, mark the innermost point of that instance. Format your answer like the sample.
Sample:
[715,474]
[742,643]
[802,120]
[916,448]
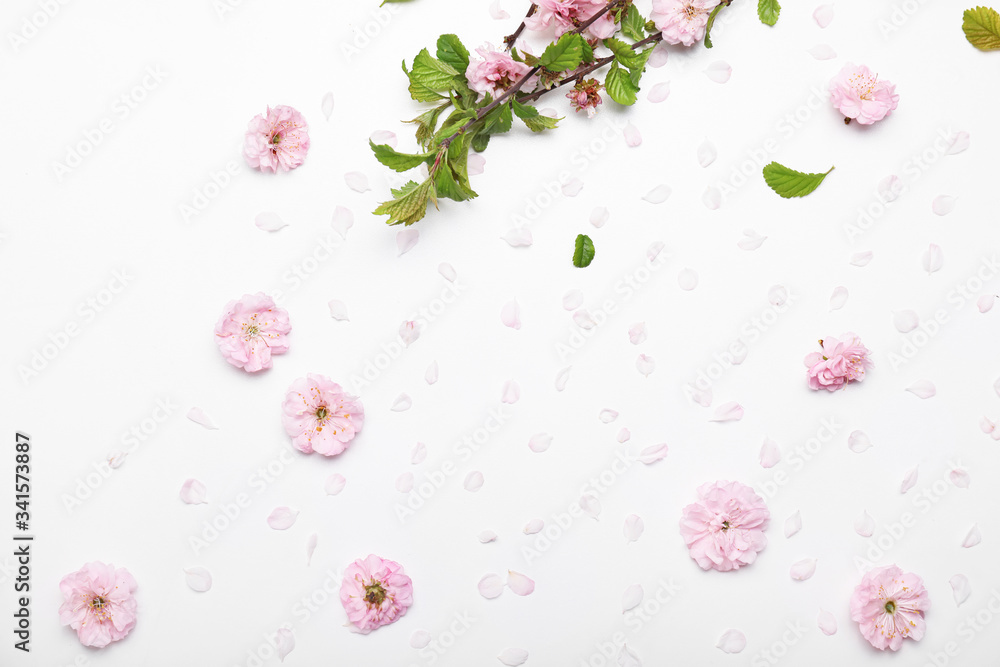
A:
[682,21]
[98,603]
[859,95]
[889,606]
[279,139]
[842,361]
[375,592]
[724,530]
[586,96]
[494,73]
[567,15]
[251,330]
[320,416]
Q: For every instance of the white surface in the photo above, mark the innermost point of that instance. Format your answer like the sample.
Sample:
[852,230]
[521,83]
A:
[119,210]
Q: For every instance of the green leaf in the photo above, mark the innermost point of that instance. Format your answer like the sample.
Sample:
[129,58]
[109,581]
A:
[430,77]
[768,11]
[480,141]
[450,50]
[982,28]
[634,25]
[711,22]
[427,122]
[626,56]
[583,251]
[398,161]
[450,187]
[451,125]
[620,86]
[564,54]
[789,183]
[499,120]
[409,204]
[534,120]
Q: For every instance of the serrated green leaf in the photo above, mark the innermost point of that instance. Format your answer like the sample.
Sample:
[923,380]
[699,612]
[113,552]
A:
[981,26]
[588,53]
[626,55]
[789,183]
[430,77]
[388,156]
[534,120]
[427,123]
[620,86]
[409,204]
[480,141]
[711,22]
[450,50]
[564,54]
[768,11]
[583,251]
[499,120]
[451,125]
[449,186]
[633,24]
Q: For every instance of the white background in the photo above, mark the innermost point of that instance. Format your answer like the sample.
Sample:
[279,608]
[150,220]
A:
[120,211]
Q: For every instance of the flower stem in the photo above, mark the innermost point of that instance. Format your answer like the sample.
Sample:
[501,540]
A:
[511,38]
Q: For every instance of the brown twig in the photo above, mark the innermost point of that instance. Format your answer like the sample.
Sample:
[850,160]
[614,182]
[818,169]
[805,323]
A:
[511,38]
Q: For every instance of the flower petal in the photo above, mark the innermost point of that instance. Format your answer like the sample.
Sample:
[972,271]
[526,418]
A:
[511,392]
[637,333]
[419,453]
[960,588]
[533,527]
[933,259]
[958,143]
[985,302]
[770,453]
[193,492]
[404,483]
[803,569]
[909,480]
[922,389]
[727,412]
[719,71]
[572,299]
[632,136]
[342,221]
[608,415]
[943,205]
[572,187]
[518,237]
[338,310]
[590,505]
[838,298]
[826,622]
[486,537]
[653,453]
[960,478]
[539,442]
[198,416]
[973,537]
[198,579]
[269,221]
[858,442]
[420,639]
[327,105]
[634,527]
[474,481]
[890,187]
[491,586]
[311,543]
[632,597]
[645,365]
[732,641]
[285,641]
[406,238]
[624,435]
[823,15]
[905,321]
[357,181]
[431,374]
[777,295]
[476,164]
[862,258]
[864,525]
[712,198]
[687,279]
[707,153]
[659,93]
[519,583]
[751,240]
[513,656]
[282,518]
[510,315]
[823,52]
[793,524]
[599,216]
[402,403]
[658,195]
[334,484]
[627,657]
[562,377]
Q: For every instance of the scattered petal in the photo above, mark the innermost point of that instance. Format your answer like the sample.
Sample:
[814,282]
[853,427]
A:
[198,579]
[632,136]
[905,321]
[447,271]
[823,15]
[702,397]
[338,310]
[933,259]
[707,153]
[572,299]
[862,258]
[513,656]
[654,250]
[474,481]
[973,537]
[909,480]
[826,622]
[420,639]
[193,492]
[562,378]
[985,302]
[491,586]
[653,453]
[608,415]
[727,412]
[404,483]
[637,333]
[198,416]
[793,524]
[751,240]
[922,389]
[634,526]
[858,442]
[311,547]
[719,71]
[590,505]
[712,198]
[658,58]
[116,458]
[419,454]
[357,181]
[539,442]
[343,220]
[583,319]
[687,279]
[770,453]
[487,536]
[632,597]
[823,52]
[572,187]
[406,238]
[958,143]
[803,569]
[269,221]
[327,105]
[282,518]
[864,525]
[431,374]
[889,188]
[660,92]
[627,657]
[960,588]
[511,392]
[519,583]
[285,643]
[599,216]
[960,478]
[658,195]
[838,298]
[732,641]
[510,315]
[533,527]
[379,137]
[518,237]
[943,205]
[624,435]
[334,484]
[645,365]
[402,403]
[497,13]
[777,295]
